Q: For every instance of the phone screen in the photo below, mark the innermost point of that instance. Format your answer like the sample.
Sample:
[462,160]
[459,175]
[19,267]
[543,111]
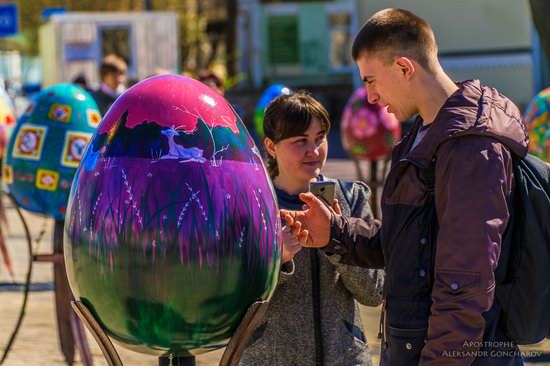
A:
[322,189]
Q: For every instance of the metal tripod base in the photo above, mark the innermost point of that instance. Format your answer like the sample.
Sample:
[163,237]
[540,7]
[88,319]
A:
[231,355]
[238,342]
[70,331]
[374,181]
[105,344]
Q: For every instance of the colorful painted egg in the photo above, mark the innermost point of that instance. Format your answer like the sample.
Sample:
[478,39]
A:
[7,124]
[4,140]
[537,118]
[267,96]
[7,118]
[368,131]
[172,227]
[46,147]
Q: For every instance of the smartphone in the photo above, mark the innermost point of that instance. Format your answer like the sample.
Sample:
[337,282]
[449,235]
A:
[324,190]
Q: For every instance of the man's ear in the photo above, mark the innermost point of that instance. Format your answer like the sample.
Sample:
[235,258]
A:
[269,147]
[406,66]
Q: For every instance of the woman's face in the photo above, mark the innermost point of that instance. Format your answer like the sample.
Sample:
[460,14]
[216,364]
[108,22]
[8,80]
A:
[301,158]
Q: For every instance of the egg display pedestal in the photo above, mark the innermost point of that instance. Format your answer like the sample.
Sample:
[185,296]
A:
[231,355]
[374,181]
[71,333]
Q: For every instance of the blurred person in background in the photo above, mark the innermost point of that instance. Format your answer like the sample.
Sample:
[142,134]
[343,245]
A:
[81,81]
[212,80]
[215,83]
[112,73]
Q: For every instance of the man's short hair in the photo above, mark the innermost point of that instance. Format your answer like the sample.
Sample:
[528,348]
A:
[112,64]
[392,33]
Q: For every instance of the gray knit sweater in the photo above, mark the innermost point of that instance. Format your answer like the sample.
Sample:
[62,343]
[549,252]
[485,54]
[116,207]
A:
[286,335]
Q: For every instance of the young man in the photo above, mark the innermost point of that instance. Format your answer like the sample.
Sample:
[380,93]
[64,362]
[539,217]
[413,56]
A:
[439,246]
[112,73]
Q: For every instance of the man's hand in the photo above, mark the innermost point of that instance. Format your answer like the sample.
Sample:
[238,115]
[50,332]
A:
[311,226]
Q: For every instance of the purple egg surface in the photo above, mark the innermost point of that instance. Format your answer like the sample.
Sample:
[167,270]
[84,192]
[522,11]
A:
[172,228]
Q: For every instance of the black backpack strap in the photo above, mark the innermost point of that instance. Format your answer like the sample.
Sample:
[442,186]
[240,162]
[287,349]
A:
[347,189]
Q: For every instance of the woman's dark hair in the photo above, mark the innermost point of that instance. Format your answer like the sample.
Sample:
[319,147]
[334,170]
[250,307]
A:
[289,116]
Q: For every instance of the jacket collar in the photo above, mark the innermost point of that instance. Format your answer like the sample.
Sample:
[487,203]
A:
[472,110]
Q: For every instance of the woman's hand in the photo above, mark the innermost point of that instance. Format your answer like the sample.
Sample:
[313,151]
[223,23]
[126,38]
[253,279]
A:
[291,245]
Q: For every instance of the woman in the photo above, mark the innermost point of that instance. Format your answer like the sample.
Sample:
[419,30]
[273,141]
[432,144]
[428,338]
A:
[312,318]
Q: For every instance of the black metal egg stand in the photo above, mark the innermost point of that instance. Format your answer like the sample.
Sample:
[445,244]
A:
[231,355]
[70,330]
[374,181]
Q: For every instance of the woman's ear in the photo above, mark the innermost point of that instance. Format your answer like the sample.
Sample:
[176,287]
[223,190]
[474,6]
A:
[270,147]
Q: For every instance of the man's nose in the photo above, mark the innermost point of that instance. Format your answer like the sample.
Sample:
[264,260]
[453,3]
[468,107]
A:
[372,96]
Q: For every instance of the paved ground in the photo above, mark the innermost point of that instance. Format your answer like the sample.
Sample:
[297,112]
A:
[37,342]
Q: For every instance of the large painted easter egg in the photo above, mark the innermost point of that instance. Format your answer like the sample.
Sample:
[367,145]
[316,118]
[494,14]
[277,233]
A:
[172,227]
[368,131]
[537,119]
[7,124]
[46,147]
[7,118]
[267,96]
[4,140]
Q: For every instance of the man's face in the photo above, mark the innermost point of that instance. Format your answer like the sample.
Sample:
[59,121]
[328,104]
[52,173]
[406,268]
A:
[386,85]
[114,79]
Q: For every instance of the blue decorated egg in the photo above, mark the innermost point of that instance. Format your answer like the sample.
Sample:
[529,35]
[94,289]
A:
[46,147]
[267,96]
